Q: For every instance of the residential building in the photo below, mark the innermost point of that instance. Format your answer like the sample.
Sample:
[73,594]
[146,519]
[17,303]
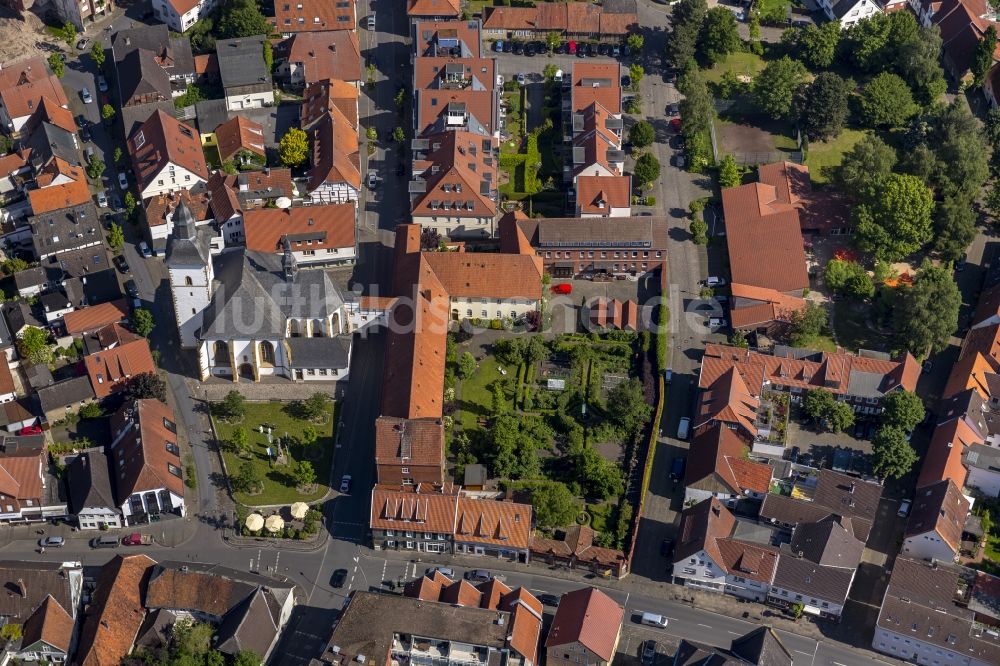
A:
[928,615]
[488,286]
[47,636]
[82,13]
[179,15]
[610,313]
[827,495]
[440,519]
[110,370]
[241,140]
[306,58]
[16,415]
[409,451]
[610,22]
[166,156]
[147,461]
[936,521]
[761,646]
[455,94]
[454,184]
[330,114]
[91,494]
[322,235]
[230,196]
[28,491]
[433,9]
[962,24]
[299,330]
[596,126]
[603,196]
[151,69]
[717,466]
[406,629]
[59,187]
[569,247]
[983,465]
[65,229]
[574,548]
[68,395]
[115,614]
[709,557]
[313,16]
[248,610]
[586,629]
[23,86]
[60,267]
[442,37]
[8,391]
[81,292]
[849,12]
[30,583]
[246,78]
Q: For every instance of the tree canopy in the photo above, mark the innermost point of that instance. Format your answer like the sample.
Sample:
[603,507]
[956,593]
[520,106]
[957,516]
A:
[849,278]
[887,101]
[822,106]
[145,385]
[241,18]
[865,164]
[954,227]
[982,57]
[892,454]
[824,408]
[686,22]
[903,410]
[926,313]
[729,172]
[646,170]
[814,45]
[34,345]
[641,134]
[554,505]
[918,62]
[143,322]
[776,85]
[895,220]
[719,35]
[293,148]
[627,406]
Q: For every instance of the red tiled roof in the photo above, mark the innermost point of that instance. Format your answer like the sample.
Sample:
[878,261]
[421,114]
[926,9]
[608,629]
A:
[464,274]
[457,170]
[766,305]
[577,542]
[50,111]
[110,368]
[608,93]
[461,593]
[451,8]
[728,400]
[413,441]
[164,140]
[143,450]
[6,378]
[717,455]
[321,97]
[313,16]
[493,522]
[22,477]
[393,507]
[334,54]
[330,226]
[590,617]
[22,100]
[599,194]
[95,316]
[943,459]
[239,133]
[115,613]
[161,205]
[51,624]
[335,152]
[22,72]
[748,560]
[54,197]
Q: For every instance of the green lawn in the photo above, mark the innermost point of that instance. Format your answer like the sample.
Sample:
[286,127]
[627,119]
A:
[818,343]
[279,488]
[825,156]
[737,63]
[476,394]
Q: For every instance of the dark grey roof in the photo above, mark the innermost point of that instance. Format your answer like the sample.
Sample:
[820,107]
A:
[26,584]
[96,288]
[865,384]
[65,393]
[48,141]
[30,277]
[319,352]
[138,75]
[6,339]
[828,543]
[620,6]
[241,62]
[86,261]
[65,229]
[252,625]
[134,116]
[983,457]
[19,315]
[38,375]
[210,114]
[762,647]
[188,245]
[89,481]
[155,630]
[253,297]
[841,7]
[967,402]
[15,412]
[642,232]
[56,300]
[850,497]
[813,580]
[475,475]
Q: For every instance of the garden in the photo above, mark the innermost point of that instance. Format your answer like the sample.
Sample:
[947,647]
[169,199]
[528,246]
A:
[276,452]
[559,421]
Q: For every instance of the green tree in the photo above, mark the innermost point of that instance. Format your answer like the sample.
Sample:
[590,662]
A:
[293,148]
[11,632]
[304,474]
[926,314]
[548,72]
[864,165]
[892,455]
[268,55]
[142,322]
[646,170]
[69,33]
[600,478]
[959,146]
[816,46]
[553,40]
[816,403]
[840,417]
[466,365]
[635,41]
[247,479]
[729,172]
[887,101]
[641,134]
[57,64]
[241,18]
[896,221]
[873,44]
[34,345]
[116,237]
[192,638]
[739,339]
[92,410]
[849,278]
[233,407]
[753,44]
[145,385]
[554,505]
[822,106]
[775,86]
[229,167]
[399,135]
[808,322]
[719,35]
[982,57]
[499,400]
[698,110]
[954,227]
[313,408]
[14,265]
[95,167]
[247,658]
[130,203]
[627,406]
[903,410]
[400,99]
[309,435]
[636,73]
[686,21]
[920,66]
[108,112]
[119,156]
[97,54]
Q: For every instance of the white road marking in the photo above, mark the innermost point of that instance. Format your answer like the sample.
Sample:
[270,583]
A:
[735,633]
[707,626]
[801,652]
[837,663]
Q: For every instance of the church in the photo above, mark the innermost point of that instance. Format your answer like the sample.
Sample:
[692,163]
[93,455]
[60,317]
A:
[252,315]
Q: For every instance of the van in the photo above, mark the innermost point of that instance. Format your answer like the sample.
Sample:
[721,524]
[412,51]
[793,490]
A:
[558,76]
[683,428]
[371,21]
[106,541]
[653,620]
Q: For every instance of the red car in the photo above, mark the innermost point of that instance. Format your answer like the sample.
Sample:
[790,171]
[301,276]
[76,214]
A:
[30,430]
[572,47]
[675,124]
[562,289]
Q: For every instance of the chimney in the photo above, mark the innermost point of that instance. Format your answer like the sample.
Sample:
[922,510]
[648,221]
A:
[22,588]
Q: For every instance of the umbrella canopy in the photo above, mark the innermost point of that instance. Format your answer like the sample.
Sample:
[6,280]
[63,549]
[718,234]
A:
[299,510]
[274,523]
[254,522]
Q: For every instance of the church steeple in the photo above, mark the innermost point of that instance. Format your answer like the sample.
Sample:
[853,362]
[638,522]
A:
[288,262]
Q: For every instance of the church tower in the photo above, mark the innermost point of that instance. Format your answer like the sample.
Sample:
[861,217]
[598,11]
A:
[189,264]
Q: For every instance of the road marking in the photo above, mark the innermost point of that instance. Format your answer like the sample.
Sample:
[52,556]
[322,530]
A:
[801,652]
[735,633]
[707,626]
[837,663]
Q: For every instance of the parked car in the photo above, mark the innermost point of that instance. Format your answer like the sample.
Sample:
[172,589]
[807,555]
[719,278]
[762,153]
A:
[30,430]
[714,281]
[675,125]
[85,96]
[518,48]
[673,109]
[102,199]
[144,249]
[616,51]
[684,427]
[137,539]
[106,541]
[478,575]
[520,78]
[345,483]
[121,263]
[445,571]
[338,578]
[530,49]
[372,180]
[626,81]
[668,376]
[122,180]
[677,467]
[52,542]
[131,288]
[508,46]
[715,323]
[498,46]
[649,652]
[83,43]
[904,508]
[85,133]
[667,547]
[548,599]
[571,47]
[102,84]
[562,289]
[653,620]
[499,80]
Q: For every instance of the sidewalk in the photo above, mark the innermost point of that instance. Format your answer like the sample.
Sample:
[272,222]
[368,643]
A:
[230,539]
[171,532]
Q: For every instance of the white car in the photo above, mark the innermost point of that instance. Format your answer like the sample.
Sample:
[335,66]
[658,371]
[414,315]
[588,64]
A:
[715,281]
[520,78]
[499,80]
[372,180]
[102,199]
[144,249]
[904,508]
[85,96]
[345,483]
[716,323]
[123,180]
